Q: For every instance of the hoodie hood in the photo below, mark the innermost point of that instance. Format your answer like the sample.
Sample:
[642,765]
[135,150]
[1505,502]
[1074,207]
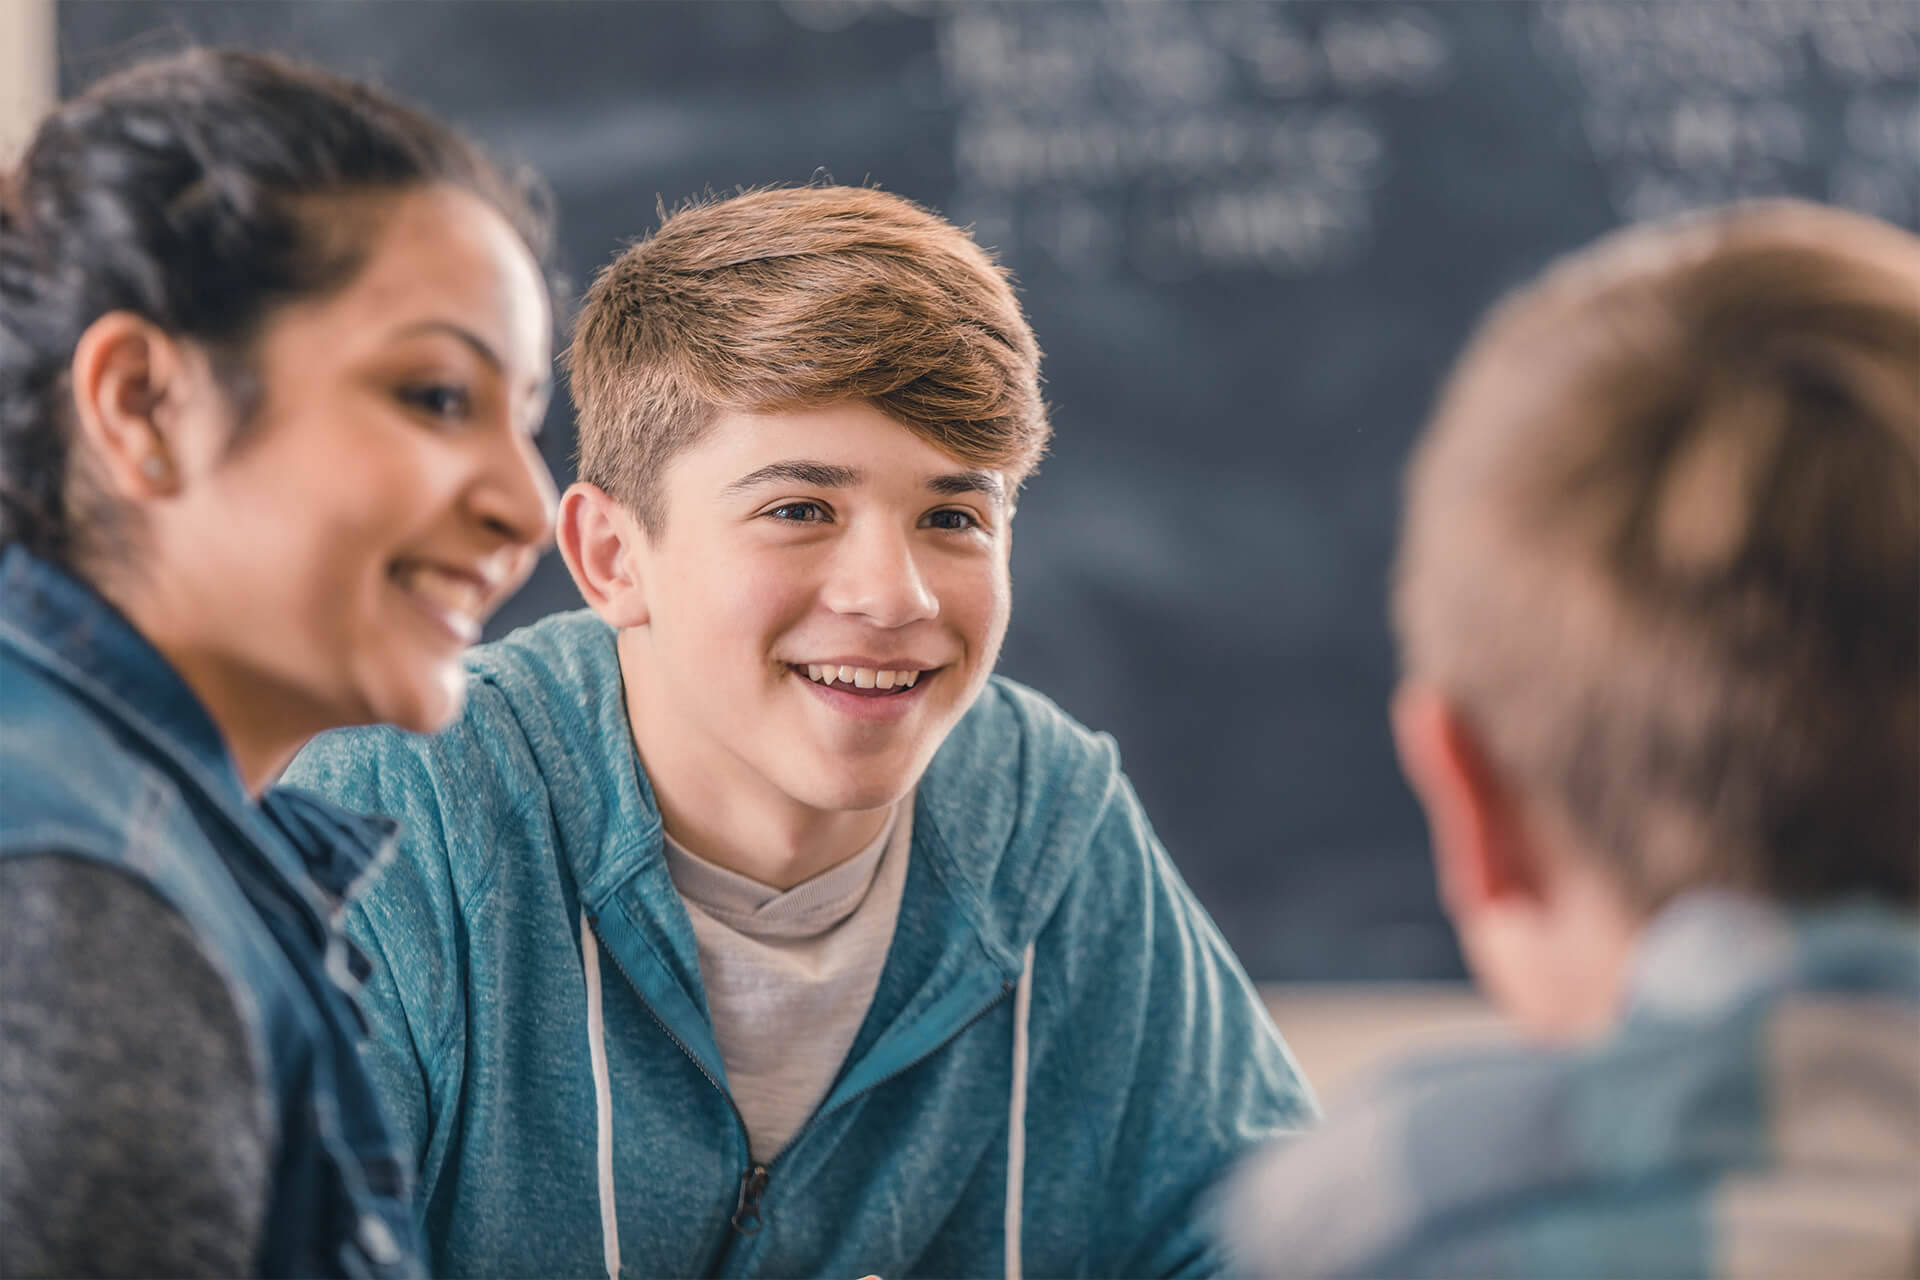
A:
[1004,841]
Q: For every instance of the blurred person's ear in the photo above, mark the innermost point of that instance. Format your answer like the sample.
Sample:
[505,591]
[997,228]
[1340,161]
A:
[1544,932]
[1483,853]
[598,537]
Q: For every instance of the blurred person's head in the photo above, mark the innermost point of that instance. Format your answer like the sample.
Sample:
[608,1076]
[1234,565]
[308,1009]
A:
[272,350]
[1658,594]
[804,416]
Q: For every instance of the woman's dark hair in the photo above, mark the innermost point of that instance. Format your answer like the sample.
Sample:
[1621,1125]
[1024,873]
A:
[188,190]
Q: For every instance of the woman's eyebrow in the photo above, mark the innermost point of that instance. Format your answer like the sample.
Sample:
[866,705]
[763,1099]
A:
[468,336]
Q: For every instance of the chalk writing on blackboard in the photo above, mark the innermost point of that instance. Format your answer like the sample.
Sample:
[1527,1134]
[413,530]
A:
[1174,140]
[1693,104]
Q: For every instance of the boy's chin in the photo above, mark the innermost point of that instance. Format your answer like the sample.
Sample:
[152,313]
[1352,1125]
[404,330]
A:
[857,792]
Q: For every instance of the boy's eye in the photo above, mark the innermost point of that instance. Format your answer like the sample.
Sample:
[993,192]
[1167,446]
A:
[440,400]
[953,520]
[799,512]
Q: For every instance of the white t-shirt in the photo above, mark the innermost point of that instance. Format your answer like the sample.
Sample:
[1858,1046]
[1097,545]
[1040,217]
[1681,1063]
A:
[789,975]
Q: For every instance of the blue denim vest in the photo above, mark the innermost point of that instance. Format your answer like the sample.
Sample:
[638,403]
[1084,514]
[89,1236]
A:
[108,755]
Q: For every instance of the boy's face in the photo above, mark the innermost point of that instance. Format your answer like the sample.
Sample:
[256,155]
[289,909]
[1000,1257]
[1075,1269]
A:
[827,597]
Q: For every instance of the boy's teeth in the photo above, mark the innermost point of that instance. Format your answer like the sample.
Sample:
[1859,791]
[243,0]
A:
[861,677]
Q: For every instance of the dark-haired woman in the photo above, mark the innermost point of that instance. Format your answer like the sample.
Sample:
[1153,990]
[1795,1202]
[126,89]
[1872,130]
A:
[272,351]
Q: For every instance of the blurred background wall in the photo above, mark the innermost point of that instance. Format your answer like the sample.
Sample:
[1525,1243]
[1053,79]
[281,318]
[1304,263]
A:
[26,70]
[1251,236]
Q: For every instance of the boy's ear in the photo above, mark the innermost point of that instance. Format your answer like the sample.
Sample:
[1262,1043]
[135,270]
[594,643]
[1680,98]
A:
[1483,852]
[129,380]
[601,540]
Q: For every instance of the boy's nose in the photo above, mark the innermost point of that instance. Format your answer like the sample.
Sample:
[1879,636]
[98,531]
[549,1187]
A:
[878,578]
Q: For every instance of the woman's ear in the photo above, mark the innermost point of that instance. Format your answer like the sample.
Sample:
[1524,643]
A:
[602,542]
[130,379]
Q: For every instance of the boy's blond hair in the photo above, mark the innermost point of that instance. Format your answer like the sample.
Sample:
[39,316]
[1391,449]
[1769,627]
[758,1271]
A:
[794,298]
[1662,548]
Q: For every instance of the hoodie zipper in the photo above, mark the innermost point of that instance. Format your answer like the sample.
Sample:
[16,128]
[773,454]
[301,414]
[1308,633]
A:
[746,1210]
[753,1184]
[747,1219]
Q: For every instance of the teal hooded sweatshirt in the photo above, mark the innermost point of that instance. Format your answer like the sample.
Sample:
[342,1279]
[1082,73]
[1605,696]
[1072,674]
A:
[1060,1061]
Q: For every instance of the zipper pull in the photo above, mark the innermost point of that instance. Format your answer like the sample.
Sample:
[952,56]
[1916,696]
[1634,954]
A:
[746,1214]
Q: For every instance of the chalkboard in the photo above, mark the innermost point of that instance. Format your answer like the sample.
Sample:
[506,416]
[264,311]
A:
[1251,237]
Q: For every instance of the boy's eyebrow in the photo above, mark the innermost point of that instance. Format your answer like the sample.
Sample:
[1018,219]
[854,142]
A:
[959,482]
[829,475]
[821,475]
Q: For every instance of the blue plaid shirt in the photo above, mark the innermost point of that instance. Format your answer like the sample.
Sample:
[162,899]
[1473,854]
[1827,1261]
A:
[1757,1113]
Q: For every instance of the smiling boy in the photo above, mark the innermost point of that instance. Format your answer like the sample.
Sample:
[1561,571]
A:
[745,924]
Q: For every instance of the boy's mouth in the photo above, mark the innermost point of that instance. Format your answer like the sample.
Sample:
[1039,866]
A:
[863,682]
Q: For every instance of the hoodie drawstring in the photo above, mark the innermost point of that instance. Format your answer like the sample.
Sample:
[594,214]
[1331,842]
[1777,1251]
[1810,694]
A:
[602,1096]
[1017,1115]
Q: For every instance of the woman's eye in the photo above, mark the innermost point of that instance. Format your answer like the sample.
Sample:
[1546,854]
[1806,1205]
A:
[439,400]
[799,512]
[953,520]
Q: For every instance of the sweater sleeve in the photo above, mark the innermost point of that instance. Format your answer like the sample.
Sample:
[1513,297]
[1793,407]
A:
[137,1135]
